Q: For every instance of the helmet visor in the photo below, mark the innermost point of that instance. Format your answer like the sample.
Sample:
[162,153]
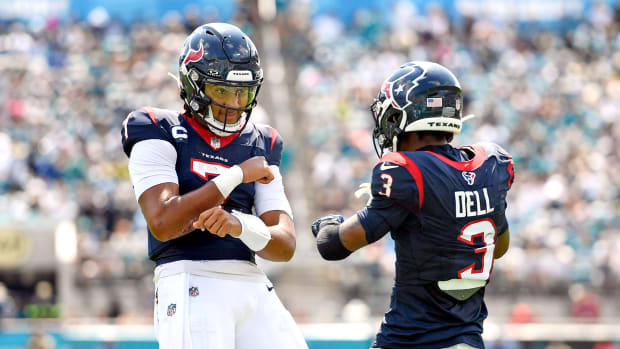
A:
[233,97]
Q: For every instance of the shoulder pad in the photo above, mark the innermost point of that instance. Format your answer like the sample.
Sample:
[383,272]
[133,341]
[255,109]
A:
[397,176]
[503,158]
[270,134]
[155,116]
[147,123]
[273,143]
[496,150]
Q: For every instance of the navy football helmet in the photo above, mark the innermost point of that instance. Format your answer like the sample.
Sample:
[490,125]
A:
[418,96]
[219,58]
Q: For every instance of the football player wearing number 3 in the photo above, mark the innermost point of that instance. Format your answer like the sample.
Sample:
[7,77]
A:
[444,206]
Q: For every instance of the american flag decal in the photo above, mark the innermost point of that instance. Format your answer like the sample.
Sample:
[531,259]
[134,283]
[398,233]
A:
[434,102]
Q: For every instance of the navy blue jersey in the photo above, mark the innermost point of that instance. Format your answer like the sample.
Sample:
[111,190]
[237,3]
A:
[444,208]
[201,156]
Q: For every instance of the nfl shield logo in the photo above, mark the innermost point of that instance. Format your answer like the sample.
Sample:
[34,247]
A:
[215,143]
[193,291]
[469,177]
[172,308]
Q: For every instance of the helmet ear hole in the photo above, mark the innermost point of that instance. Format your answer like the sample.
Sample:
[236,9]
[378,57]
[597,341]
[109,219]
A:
[391,115]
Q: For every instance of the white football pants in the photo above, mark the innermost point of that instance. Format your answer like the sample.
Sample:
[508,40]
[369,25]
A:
[220,305]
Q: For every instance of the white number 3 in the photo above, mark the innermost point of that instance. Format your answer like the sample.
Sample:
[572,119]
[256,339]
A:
[484,228]
[387,186]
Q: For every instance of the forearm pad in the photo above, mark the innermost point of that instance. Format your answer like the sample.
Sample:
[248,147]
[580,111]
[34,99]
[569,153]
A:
[254,232]
[329,245]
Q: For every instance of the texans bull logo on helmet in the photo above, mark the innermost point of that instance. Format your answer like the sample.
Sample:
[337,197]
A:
[194,56]
[398,87]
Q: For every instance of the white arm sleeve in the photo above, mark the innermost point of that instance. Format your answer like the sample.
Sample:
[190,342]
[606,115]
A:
[271,196]
[152,162]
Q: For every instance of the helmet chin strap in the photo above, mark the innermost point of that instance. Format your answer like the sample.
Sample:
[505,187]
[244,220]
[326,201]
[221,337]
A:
[399,131]
[395,143]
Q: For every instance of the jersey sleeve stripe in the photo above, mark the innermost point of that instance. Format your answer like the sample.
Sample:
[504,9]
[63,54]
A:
[413,169]
[151,113]
[274,136]
[511,171]
[470,165]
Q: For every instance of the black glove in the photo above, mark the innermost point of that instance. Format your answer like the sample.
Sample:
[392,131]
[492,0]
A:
[329,219]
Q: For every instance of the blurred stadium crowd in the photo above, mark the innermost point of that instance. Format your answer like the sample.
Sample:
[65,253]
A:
[551,97]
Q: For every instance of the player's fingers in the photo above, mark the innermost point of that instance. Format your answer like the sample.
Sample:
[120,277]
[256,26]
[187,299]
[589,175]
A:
[213,224]
[270,176]
[204,216]
[267,178]
[212,217]
[264,180]
[225,227]
[219,226]
[222,231]
[200,222]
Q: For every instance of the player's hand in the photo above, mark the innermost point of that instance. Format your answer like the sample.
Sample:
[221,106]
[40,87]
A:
[256,169]
[364,189]
[218,222]
[329,219]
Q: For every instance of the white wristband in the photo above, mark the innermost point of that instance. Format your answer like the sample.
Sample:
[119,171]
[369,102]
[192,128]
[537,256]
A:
[228,180]
[254,232]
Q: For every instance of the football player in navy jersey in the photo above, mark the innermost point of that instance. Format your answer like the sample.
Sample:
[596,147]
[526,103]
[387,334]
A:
[208,184]
[443,206]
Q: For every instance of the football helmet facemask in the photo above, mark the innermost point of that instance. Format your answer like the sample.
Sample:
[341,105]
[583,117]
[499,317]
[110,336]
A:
[219,66]
[418,96]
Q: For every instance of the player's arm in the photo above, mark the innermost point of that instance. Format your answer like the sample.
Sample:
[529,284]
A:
[337,238]
[391,186]
[274,209]
[502,244]
[271,234]
[281,247]
[170,215]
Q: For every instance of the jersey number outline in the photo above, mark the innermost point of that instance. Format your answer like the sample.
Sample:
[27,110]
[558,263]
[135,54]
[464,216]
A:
[486,229]
[387,185]
[125,122]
